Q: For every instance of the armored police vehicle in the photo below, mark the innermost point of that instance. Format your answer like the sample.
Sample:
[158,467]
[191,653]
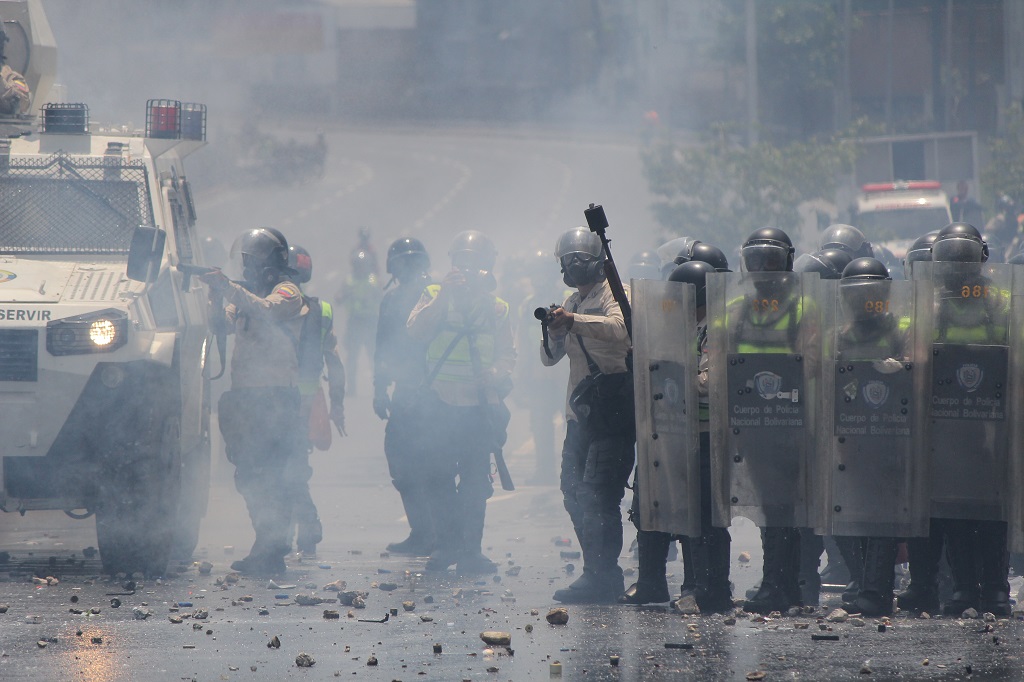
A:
[104,406]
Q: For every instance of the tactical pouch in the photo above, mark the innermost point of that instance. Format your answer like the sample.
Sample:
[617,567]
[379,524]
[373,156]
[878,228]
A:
[603,404]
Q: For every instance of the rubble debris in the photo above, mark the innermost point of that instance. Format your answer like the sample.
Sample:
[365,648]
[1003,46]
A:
[513,571]
[139,613]
[614,660]
[838,616]
[426,619]
[570,556]
[756,675]
[33,620]
[409,606]
[988,617]
[729,620]
[205,568]
[558,616]
[97,640]
[744,558]
[385,619]
[115,603]
[528,628]
[308,600]
[264,612]
[561,542]
[372,660]
[555,669]
[865,669]
[686,605]
[177,620]
[304,660]
[498,638]
[971,613]
[925,615]
[359,602]
[824,638]
[336,586]
[387,587]
[274,643]
[856,622]
[201,614]
[437,648]
[331,615]
[534,612]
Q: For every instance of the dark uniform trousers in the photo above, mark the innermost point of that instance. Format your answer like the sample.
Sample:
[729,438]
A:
[456,441]
[403,436]
[263,437]
[595,473]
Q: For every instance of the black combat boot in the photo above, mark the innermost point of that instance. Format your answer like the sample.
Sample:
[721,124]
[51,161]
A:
[780,585]
[961,553]
[711,559]
[651,585]
[923,592]
[878,572]
[851,550]
[995,568]
[837,570]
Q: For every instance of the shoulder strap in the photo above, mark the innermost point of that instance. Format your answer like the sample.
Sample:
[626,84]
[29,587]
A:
[451,347]
[591,365]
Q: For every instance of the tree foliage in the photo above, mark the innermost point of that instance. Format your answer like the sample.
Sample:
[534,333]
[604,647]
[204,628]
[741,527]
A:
[721,191]
[1005,171]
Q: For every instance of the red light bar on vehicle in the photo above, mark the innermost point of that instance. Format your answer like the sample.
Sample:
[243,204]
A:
[900,185]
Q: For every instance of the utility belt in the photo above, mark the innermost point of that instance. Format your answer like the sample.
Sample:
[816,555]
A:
[604,403]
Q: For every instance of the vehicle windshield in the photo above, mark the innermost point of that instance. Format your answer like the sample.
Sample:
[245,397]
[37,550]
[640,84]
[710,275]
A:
[62,205]
[909,223]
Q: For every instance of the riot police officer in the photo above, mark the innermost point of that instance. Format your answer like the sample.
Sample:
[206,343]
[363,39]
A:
[870,333]
[770,329]
[260,416]
[972,311]
[399,360]
[470,358]
[321,346]
[598,452]
[710,254]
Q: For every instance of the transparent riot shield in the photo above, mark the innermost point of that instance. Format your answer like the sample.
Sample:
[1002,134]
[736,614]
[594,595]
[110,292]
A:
[971,389]
[874,423]
[765,338]
[1016,408]
[665,359]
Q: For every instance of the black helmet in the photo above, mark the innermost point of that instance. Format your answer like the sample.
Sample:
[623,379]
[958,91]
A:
[694,272]
[645,265]
[262,254]
[712,255]
[473,250]
[920,250]
[768,249]
[581,257]
[407,255]
[865,269]
[301,262]
[864,288]
[845,238]
[959,243]
[828,263]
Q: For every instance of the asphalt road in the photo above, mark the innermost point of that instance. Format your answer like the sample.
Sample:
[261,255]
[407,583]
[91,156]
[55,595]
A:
[431,184]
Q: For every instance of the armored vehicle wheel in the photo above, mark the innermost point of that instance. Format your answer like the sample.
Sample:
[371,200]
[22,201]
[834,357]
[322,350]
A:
[135,515]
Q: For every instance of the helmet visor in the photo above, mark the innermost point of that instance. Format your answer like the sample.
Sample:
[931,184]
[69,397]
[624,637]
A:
[765,258]
[864,297]
[810,262]
[958,250]
[470,261]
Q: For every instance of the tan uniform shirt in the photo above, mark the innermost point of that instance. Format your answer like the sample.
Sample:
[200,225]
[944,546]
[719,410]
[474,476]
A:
[266,331]
[597,318]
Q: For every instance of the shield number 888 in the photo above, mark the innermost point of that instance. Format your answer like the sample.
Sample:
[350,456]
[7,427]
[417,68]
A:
[766,305]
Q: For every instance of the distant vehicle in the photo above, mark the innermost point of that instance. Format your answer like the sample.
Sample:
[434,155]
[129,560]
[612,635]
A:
[104,400]
[894,214]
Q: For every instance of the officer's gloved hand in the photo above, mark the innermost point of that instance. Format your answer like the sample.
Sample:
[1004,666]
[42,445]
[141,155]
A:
[381,404]
[887,366]
[338,417]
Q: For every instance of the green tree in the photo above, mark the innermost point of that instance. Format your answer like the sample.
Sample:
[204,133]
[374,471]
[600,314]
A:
[1005,171]
[721,191]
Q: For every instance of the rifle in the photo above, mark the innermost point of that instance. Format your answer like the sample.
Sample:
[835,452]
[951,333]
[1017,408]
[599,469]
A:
[217,326]
[597,222]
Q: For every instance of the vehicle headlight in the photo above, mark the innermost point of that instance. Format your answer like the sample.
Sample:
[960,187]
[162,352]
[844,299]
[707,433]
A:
[103,331]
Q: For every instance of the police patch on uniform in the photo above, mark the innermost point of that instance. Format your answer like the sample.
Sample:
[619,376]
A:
[287,291]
